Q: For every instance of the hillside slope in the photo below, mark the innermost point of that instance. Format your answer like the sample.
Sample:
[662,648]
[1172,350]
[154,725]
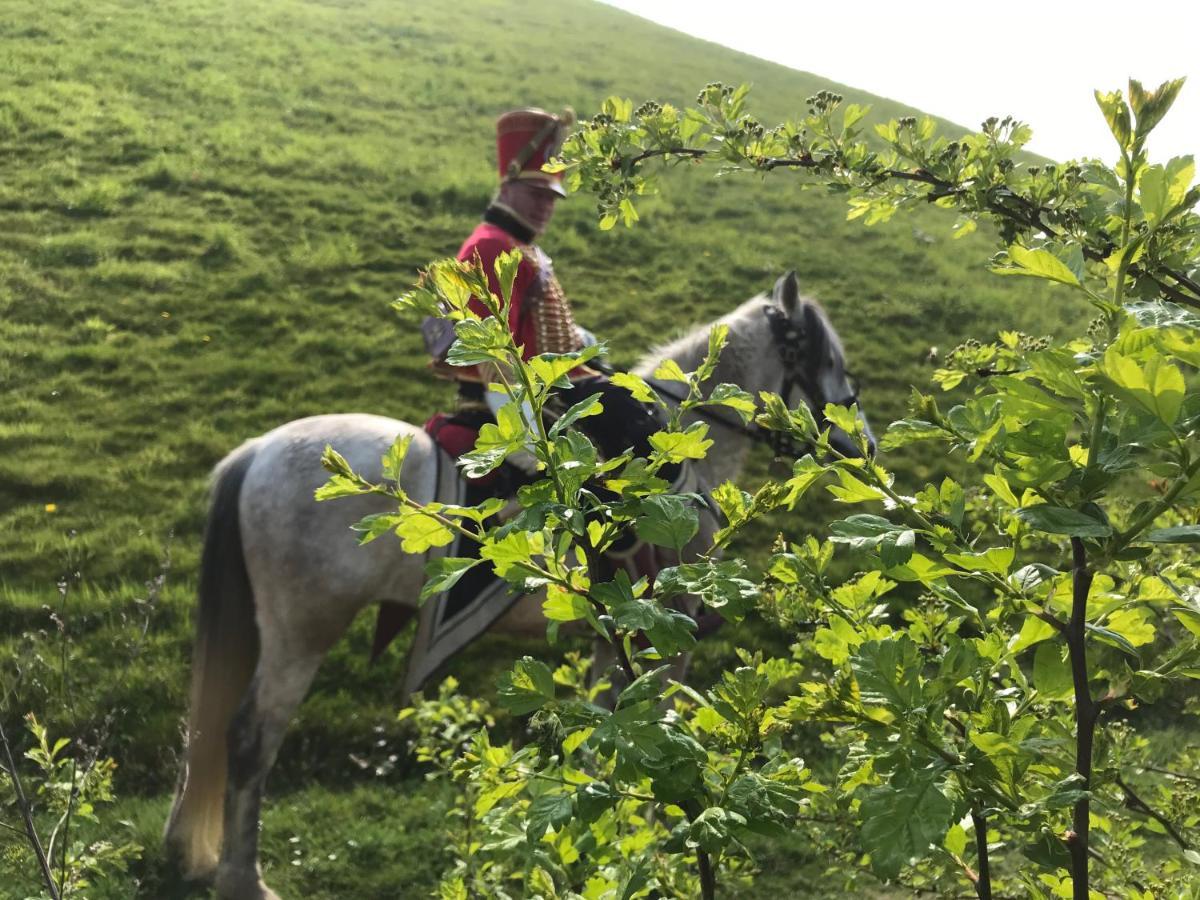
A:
[207,205]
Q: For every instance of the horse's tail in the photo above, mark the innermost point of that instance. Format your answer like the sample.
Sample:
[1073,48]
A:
[223,660]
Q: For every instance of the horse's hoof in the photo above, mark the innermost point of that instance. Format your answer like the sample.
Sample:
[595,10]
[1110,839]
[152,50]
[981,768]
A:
[242,886]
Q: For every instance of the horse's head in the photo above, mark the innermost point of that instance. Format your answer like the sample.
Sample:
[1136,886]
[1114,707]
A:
[814,364]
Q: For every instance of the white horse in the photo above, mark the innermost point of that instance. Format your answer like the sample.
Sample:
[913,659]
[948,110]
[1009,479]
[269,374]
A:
[283,576]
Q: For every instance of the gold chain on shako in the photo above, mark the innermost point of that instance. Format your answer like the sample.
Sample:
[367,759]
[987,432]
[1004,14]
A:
[556,330]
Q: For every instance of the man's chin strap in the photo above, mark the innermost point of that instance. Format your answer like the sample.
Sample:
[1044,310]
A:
[504,216]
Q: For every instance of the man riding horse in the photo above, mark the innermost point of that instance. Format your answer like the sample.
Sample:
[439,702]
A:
[540,316]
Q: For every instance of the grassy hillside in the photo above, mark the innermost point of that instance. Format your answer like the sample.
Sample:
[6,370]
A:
[206,207]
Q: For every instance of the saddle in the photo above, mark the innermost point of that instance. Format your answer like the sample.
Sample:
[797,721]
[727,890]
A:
[451,620]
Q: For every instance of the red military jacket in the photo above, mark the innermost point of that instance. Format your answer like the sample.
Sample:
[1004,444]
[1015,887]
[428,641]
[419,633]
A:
[489,242]
[539,317]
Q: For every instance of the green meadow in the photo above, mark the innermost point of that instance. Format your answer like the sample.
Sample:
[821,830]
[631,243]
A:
[206,207]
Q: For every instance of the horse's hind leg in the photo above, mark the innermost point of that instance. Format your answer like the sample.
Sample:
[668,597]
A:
[257,730]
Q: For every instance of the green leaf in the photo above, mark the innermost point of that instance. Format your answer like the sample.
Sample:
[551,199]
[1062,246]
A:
[901,820]
[1116,114]
[956,840]
[442,574]
[806,472]
[1033,631]
[845,418]
[671,632]
[339,486]
[851,490]
[776,416]
[908,431]
[1037,263]
[1058,520]
[506,266]
[479,341]
[551,369]
[717,336]
[863,529]
[419,531]
[1150,107]
[1179,534]
[1189,618]
[897,549]
[676,446]
[733,502]
[529,686]
[494,795]
[565,606]
[836,642]
[595,798]
[1132,624]
[1113,639]
[712,829]
[589,406]
[637,386]
[495,442]
[1152,194]
[768,806]
[507,554]
[394,458]
[996,560]
[1159,387]
[668,370]
[888,673]
[635,733]
[1052,673]
[723,586]
[372,526]
[547,811]
[735,398]
[666,520]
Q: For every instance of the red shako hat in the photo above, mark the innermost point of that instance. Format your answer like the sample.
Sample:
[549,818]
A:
[526,139]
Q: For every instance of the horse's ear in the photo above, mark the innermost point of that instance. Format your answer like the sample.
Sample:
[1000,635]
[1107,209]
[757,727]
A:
[787,292]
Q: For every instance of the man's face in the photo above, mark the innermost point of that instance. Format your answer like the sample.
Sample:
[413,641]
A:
[532,203]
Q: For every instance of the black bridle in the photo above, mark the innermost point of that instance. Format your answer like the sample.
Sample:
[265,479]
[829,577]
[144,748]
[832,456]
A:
[798,371]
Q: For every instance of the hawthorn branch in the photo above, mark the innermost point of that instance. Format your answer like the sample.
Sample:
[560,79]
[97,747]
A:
[1086,714]
[1180,775]
[1030,215]
[620,162]
[1133,801]
[983,882]
[27,816]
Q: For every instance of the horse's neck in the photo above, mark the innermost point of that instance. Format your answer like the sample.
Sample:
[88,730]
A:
[742,363]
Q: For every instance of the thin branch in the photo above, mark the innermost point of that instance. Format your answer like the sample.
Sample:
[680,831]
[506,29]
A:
[983,885]
[1086,714]
[620,162]
[1184,280]
[1179,775]
[1051,620]
[27,816]
[1133,801]
[708,878]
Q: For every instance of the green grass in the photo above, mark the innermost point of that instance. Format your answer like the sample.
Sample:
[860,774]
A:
[207,207]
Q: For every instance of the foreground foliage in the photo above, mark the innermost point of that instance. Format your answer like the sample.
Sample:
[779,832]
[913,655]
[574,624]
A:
[981,673]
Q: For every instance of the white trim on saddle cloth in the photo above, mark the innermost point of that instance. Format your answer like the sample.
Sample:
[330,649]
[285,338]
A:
[441,633]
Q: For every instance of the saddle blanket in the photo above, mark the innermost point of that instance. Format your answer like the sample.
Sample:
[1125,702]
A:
[449,621]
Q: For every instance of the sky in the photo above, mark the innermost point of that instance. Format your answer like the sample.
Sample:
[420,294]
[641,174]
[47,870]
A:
[967,60]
